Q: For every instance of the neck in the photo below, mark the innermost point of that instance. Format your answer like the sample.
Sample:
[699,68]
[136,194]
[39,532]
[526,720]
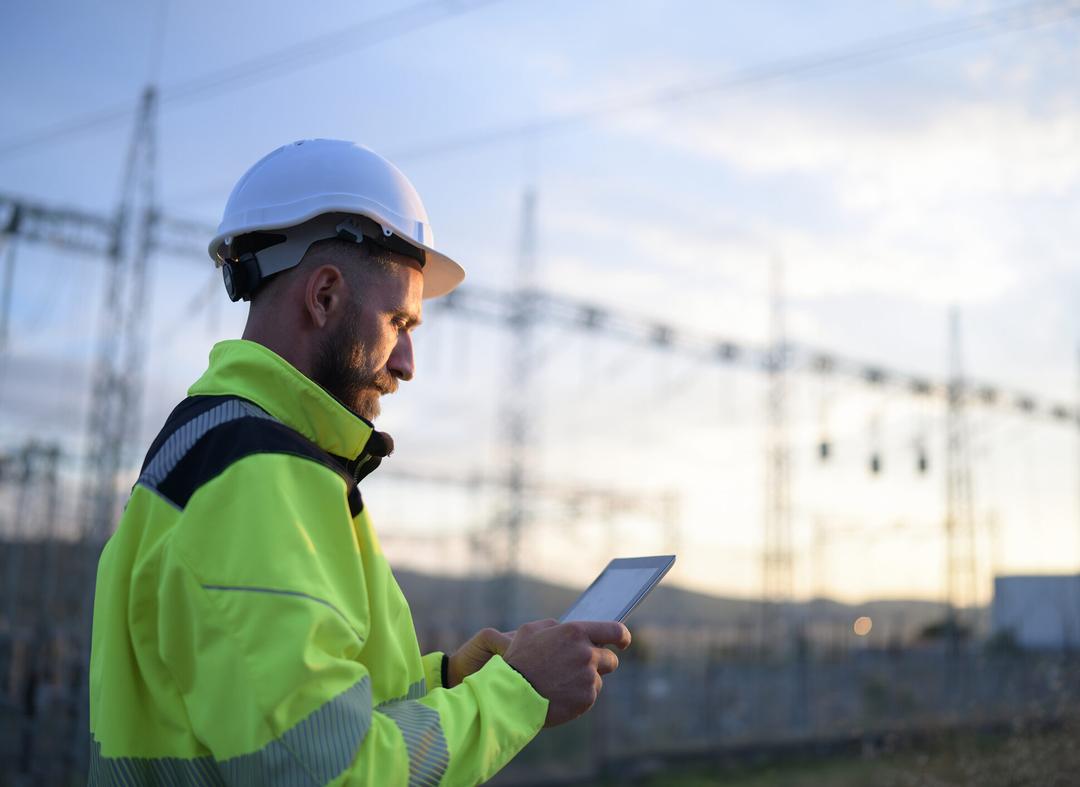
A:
[283,339]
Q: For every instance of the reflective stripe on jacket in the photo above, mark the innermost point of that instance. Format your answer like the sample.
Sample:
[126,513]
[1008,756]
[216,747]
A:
[247,628]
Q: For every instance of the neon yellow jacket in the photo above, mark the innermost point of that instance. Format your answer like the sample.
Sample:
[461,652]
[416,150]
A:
[247,628]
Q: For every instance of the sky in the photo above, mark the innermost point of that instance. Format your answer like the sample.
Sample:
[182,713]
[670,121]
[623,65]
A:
[891,170]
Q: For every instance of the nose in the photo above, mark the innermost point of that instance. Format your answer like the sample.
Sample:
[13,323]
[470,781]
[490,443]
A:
[401,363]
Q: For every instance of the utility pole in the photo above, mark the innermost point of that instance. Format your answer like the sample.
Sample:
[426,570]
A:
[671,516]
[960,579]
[7,246]
[28,592]
[518,410]
[30,621]
[777,559]
[1076,424]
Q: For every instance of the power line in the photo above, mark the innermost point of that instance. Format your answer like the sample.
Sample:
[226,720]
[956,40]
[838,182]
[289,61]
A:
[873,51]
[262,68]
[352,38]
[496,306]
[92,234]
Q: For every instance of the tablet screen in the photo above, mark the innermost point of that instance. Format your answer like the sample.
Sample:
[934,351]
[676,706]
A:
[611,593]
[618,589]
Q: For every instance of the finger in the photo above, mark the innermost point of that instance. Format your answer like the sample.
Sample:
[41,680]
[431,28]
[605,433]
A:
[606,661]
[607,632]
[527,630]
[495,641]
[536,625]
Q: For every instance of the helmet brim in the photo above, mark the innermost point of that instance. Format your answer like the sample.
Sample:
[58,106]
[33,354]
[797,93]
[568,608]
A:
[441,274]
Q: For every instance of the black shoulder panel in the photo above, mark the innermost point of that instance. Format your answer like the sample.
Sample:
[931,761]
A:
[184,412]
[206,434]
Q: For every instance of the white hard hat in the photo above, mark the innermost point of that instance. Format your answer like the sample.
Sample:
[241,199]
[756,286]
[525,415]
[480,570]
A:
[323,188]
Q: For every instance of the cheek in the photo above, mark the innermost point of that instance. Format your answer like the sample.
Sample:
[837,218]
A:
[373,353]
[388,343]
[366,344]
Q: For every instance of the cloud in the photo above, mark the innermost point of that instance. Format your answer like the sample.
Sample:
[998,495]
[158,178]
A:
[935,267]
[946,207]
[974,147]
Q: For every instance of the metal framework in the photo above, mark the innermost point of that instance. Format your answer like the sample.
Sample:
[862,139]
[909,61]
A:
[118,374]
[777,557]
[31,473]
[960,566]
[518,411]
[494,305]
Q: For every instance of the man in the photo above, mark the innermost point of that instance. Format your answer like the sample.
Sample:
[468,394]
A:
[247,629]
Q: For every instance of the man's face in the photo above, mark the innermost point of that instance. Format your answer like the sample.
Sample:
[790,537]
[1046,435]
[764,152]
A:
[370,349]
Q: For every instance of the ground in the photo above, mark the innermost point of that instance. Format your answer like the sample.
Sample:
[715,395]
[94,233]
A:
[1022,758]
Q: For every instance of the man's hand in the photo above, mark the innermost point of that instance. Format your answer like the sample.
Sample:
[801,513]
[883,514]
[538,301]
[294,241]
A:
[564,662]
[475,653]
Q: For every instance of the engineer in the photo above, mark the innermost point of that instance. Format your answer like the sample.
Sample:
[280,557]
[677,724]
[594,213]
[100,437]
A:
[247,628]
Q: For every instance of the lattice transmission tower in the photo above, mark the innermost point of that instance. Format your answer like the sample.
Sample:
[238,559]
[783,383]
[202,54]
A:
[777,556]
[518,409]
[117,376]
[116,388]
[961,579]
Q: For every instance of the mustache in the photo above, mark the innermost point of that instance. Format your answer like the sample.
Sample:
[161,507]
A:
[385,383]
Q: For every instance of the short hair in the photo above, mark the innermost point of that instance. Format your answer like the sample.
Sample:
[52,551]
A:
[356,261]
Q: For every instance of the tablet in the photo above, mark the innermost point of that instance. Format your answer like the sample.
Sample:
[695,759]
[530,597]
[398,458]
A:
[619,588]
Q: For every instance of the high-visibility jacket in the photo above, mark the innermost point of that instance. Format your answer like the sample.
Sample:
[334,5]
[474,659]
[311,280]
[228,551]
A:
[247,627]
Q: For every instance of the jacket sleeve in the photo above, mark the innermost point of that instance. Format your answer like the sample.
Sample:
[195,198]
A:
[263,615]
[433,669]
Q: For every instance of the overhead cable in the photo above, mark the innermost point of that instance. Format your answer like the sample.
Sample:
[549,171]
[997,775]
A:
[869,52]
[354,37]
[873,51]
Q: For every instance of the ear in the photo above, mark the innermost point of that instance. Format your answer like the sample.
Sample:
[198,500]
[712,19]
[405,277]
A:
[324,294]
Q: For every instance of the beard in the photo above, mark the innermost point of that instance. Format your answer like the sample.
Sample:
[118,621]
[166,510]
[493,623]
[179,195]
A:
[346,369]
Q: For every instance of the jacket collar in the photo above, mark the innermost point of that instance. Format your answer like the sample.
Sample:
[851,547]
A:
[251,371]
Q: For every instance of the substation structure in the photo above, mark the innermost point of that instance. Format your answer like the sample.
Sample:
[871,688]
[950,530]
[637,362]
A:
[127,242]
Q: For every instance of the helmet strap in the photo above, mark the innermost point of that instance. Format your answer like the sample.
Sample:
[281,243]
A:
[255,257]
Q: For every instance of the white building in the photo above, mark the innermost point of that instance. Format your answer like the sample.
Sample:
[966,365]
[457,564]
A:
[1040,611]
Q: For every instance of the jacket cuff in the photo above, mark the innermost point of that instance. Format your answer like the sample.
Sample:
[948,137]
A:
[509,688]
[435,666]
